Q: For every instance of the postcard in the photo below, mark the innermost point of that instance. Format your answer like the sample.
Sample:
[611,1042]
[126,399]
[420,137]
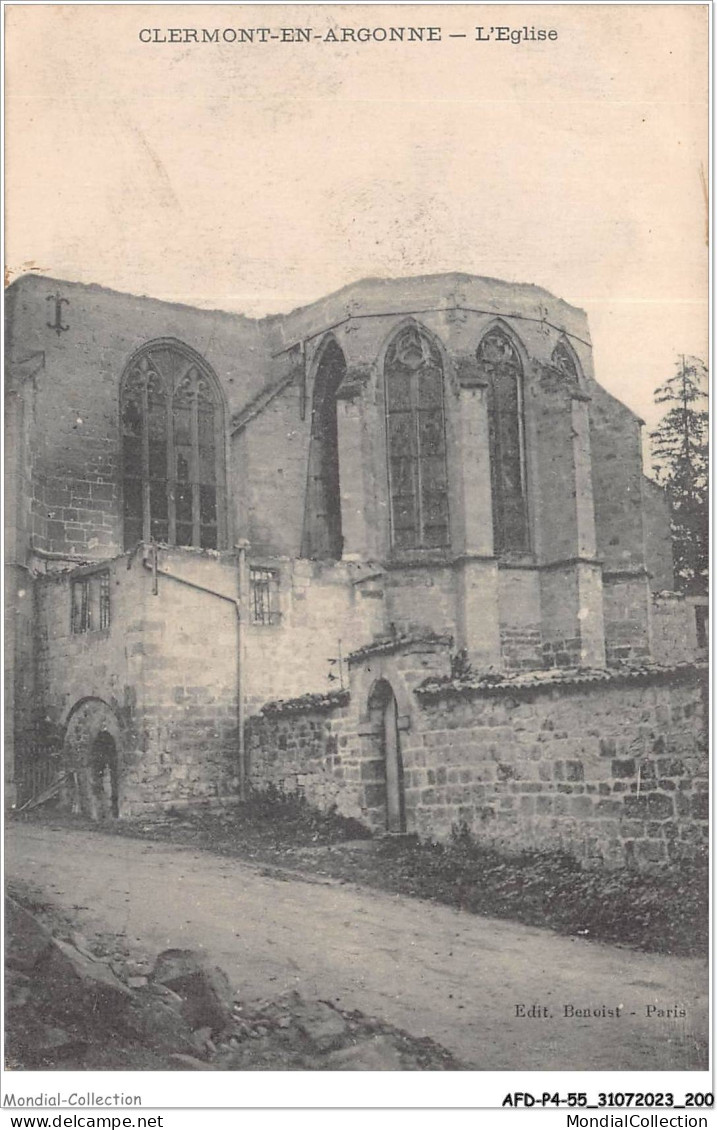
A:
[356,559]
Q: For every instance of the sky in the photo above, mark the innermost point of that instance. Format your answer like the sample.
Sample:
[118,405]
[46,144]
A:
[259,177]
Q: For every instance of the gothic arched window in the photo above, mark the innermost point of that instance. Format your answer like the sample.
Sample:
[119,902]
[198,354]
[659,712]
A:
[564,360]
[502,369]
[322,520]
[416,441]
[172,450]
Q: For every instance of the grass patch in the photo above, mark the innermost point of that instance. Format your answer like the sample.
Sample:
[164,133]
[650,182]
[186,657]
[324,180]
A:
[663,912]
[288,818]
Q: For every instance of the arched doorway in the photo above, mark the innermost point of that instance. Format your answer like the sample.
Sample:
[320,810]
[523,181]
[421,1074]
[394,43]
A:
[92,755]
[383,712]
[103,770]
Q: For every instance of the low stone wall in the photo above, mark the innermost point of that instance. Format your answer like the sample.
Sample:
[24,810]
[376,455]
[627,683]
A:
[295,748]
[613,771]
[609,767]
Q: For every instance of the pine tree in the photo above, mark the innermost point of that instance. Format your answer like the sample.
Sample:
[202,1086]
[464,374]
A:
[680,454]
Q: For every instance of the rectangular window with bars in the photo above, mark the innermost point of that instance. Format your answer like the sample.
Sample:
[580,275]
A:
[81,611]
[104,600]
[91,602]
[264,595]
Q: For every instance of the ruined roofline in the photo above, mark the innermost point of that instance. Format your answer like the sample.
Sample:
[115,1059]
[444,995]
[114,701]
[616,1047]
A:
[271,320]
[412,296]
[462,277]
[276,335]
[98,288]
[78,564]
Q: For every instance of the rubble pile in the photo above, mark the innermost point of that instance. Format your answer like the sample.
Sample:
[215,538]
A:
[70,1008]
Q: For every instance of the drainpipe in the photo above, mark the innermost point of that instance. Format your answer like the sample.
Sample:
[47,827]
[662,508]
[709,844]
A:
[241,548]
[153,567]
[72,559]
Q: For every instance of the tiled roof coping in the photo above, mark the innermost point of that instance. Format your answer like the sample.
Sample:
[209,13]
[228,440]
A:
[399,643]
[306,703]
[521,682]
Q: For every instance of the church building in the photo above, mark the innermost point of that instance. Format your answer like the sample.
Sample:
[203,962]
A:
[394,551]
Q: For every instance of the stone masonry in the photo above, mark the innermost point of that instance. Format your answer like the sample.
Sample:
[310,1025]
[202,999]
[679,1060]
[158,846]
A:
[481,516]
[612,771]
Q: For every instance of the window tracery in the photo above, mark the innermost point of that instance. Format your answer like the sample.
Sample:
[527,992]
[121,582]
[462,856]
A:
[564,360]
[416,442]
[171,451]
[502,369]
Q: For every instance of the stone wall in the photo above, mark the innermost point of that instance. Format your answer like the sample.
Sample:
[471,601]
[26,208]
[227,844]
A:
[272,435]
[627,606]
[421,599]
[615,443]
[304,751]
[270,453]
[521,630]
[19,671]
[328,748]
[74,483]
[560,601]
[322,612]
[167,665]
[189,688]
[19,613]
[99,664]
[613,771]
[553,490]
[165,668]
[673,629]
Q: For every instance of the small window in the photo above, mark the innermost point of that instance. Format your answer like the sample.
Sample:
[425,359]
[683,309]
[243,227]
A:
[91,602]
[104,600]
[81,615]
[264,596]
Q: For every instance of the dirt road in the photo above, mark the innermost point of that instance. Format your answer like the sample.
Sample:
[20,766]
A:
[468,982]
